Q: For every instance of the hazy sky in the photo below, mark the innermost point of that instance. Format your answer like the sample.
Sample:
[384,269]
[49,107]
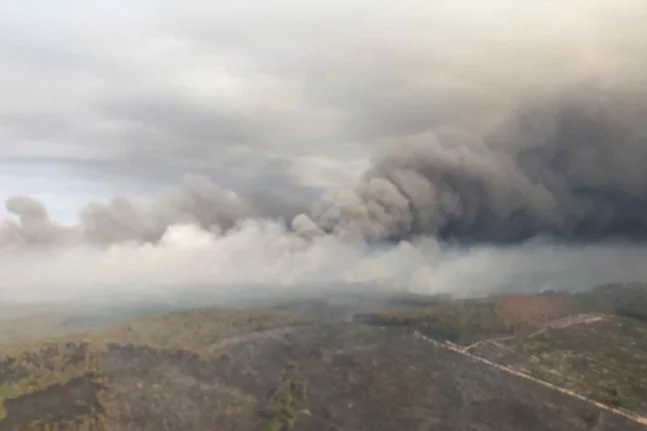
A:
[286,99]
[103,99]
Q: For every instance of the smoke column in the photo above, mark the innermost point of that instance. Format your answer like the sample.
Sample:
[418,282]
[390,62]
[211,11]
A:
[571,168]
[531,173]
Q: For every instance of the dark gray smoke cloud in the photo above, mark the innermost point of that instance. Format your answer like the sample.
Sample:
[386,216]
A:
[487,123]
[571,166]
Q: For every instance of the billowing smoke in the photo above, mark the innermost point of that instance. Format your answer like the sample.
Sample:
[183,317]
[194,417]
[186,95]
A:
[198,201]
[573,168]
[508,143]
[262,257]
[427,216]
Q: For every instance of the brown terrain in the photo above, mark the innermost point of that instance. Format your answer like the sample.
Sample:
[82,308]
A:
[571,362]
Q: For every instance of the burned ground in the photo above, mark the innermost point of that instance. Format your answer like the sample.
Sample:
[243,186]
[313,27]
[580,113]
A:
[268,370]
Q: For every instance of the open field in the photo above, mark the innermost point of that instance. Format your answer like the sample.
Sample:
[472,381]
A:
[306,366]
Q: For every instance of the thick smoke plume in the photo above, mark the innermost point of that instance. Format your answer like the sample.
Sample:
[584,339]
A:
[509,146]
[572,168]
[569,169]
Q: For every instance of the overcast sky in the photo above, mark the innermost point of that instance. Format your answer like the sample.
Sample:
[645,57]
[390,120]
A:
[125,97]
[282,100]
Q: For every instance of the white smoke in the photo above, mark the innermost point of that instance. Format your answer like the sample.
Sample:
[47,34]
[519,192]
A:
[265,255]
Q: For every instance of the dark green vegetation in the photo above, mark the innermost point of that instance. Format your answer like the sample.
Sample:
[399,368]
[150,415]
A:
[626,300]
[467,321]
[317,365]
